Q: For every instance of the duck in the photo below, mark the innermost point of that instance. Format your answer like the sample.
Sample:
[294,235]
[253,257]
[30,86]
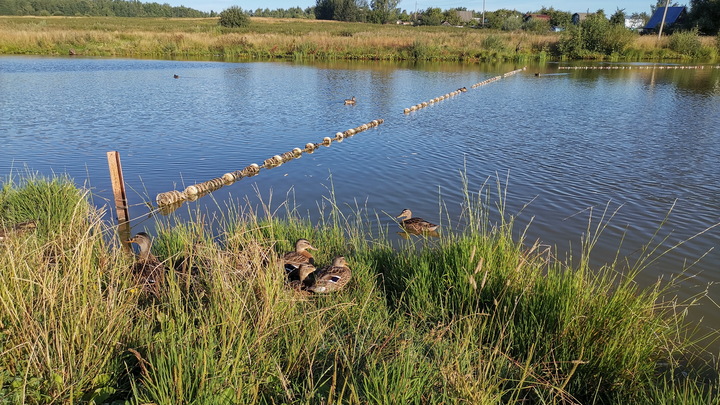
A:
[298,279]
[293,260]
[176,76]
[20,227]
[350,101]
[414,224]
[331,278]
[149,272]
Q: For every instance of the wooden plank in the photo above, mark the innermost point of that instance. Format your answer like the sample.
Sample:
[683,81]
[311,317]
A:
[118,186]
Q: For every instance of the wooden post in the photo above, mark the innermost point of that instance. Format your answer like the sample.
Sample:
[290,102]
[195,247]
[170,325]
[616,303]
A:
[118,185]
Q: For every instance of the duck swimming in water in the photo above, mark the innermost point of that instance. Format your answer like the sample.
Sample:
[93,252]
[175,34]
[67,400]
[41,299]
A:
[350,101]
[415,224]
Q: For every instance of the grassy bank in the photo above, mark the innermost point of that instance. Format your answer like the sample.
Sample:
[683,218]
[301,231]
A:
[287,39]
[473,318]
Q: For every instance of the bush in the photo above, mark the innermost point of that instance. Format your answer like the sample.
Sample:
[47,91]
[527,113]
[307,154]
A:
[686,43]
[234,17]
[494,43]
[595,36]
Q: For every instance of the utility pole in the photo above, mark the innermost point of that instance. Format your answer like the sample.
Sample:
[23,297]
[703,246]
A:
[662,23]
[483,17]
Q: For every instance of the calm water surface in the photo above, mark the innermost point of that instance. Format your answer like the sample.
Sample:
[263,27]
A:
[569,143]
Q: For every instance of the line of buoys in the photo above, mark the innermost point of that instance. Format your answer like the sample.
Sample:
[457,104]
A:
[434,100]
[487,81]
[171,200]
[646,67]
[516,71]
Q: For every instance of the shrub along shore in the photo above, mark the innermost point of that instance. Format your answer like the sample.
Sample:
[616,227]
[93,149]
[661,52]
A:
[469,317]
[268,38]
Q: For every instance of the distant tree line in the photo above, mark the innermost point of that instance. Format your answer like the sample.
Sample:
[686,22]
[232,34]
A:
[293,12]
[704,15]
[112,8]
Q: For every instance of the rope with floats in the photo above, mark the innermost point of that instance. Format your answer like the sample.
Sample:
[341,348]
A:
[171,200]
[648,67]
[458,91]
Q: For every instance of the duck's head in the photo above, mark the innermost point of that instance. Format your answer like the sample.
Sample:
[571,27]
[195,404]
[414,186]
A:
[339,261]
[143,240]
[302,245]
[305,270]
[406,214]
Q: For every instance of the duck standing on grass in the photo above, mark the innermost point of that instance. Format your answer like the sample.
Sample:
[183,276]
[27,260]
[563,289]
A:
[149,272]
[414,224]
[350,101]
[293,260]
[331,278]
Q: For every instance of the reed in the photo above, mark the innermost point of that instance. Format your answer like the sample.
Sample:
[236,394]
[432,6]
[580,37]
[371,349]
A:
[470,317]
[271,38]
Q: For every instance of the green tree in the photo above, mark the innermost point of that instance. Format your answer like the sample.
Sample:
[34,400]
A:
[452,17]
[383,11]
[705,15]
[537,25]
[557,18]
[618,18]
[341,10]
[234,17]
[499,19]
[432,16]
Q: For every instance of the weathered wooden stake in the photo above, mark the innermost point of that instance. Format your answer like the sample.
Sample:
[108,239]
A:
[118,185]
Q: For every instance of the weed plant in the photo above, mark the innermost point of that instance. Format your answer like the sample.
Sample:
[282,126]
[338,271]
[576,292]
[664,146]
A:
[474,316]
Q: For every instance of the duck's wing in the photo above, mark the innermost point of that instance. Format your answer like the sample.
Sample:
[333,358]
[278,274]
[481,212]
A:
[331,279]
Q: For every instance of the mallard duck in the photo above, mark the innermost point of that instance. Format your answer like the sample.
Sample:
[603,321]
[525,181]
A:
[350,101]
[293,260]
[148,270]
[331,278]
[415,224]
[298,279]
[18,228]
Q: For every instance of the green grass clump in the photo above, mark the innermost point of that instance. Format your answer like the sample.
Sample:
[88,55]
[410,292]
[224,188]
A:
[471,317]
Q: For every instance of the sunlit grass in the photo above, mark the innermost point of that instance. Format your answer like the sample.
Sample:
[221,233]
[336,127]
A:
[470,317]
[287,39]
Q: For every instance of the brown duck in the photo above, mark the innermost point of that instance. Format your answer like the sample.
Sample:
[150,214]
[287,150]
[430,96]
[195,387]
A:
[298,279]
[20,227]
[149,272]
[331,278]
[415,224]
[293,260]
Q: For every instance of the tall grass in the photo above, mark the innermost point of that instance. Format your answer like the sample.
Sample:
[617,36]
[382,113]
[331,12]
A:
[294,39]
[470,317]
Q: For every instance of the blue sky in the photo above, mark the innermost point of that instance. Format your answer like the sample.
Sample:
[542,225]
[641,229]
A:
[609,6]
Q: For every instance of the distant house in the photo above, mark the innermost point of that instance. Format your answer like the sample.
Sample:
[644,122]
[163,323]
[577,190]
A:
[634,23]
[528,17]
[465,16]
[674,16]
[577,18]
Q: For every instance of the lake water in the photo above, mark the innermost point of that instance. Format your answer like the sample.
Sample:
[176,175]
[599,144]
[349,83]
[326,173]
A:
[568,142]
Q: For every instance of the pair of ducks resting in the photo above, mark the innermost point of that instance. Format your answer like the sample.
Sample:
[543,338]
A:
[304,276]
[149,271]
